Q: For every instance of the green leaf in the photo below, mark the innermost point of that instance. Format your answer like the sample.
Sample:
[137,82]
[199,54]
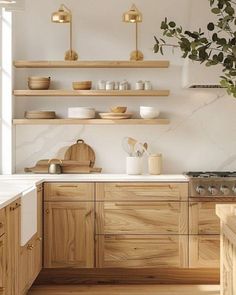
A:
[215,10]
[172,24]
[211,27]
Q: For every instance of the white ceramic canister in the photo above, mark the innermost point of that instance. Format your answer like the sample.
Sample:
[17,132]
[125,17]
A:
[110,85]
[148,85]
[124,85]
[134,165]
[155,164]
[101,85]
[139,85]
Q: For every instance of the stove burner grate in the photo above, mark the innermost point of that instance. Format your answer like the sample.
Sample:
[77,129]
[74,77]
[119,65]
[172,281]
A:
[211,174]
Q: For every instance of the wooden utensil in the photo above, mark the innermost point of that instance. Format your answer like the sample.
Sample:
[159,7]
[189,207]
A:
[80,152]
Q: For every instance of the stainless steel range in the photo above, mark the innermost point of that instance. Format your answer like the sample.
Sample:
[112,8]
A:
[212,184]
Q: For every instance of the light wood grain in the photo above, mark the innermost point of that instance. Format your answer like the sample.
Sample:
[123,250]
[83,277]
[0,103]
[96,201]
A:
[125,290]
[141,192]
[64,92]
[13,247]
[91,122]
[2,222]
[3,262]
[68,191]
[141,251]
[203,219]
[137,276]
[68,234]
[204,251]
[92,64]
[142,217]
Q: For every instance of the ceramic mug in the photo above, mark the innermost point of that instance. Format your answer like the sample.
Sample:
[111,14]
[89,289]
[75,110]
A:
[134,165]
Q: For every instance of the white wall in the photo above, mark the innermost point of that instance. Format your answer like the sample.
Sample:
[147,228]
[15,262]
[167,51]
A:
[201,135]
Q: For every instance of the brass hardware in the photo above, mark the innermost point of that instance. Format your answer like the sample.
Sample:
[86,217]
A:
[47,211]
[30,247]
[134,16]
[64,16]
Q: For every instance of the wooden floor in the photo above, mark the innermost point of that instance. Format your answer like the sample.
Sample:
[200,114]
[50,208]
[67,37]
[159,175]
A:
[125,290]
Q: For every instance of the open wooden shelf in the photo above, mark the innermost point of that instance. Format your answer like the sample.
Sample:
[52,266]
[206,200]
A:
[92,64]
[91,93]
[90,122]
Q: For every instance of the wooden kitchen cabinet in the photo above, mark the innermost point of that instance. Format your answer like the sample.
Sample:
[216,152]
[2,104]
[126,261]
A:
[141,225]
[2,264]
[13,247]
[204,251]
[142,251]
[31,253]
[68,234]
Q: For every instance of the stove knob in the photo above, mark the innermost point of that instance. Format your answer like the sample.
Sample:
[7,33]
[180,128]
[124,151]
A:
[213,190]
[200,190]
[225,190]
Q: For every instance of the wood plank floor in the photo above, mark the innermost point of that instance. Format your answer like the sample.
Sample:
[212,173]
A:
[126,290]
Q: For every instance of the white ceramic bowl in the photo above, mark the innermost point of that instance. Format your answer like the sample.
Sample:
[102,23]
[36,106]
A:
[149,112]
[81,113]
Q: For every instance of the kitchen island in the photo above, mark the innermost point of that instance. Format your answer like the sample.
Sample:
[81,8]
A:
[227,215]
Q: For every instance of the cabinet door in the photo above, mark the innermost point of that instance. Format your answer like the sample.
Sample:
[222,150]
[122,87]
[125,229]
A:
[2,262]
[142,251]
[13,247]
[204,251]
[69,234]
[141,217]
[203,219]
[142,192]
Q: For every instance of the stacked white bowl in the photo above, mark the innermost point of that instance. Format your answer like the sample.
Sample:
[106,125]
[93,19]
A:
[81,113]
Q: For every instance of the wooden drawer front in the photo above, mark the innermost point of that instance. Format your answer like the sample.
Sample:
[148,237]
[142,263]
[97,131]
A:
[2,222]
[141,218]
[66,192]
[137,251]
[142,192]
[68,234]
[2,261]
[204,251]
[203,219]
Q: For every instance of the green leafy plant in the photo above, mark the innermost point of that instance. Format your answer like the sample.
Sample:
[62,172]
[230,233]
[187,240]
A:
[217,47]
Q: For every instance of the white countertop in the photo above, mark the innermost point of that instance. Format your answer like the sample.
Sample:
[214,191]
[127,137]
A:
[13,186]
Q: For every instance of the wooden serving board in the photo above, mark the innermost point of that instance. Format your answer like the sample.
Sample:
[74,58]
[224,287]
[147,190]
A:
[80,152]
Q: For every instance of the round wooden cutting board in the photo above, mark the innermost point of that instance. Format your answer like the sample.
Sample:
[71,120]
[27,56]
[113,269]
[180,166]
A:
[80,152]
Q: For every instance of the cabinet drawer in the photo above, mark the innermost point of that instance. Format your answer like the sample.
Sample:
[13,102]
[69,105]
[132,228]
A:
[204,251]
[142,217]
[68,192]
[137,251]
[203,219]
[2,222]
[142,192]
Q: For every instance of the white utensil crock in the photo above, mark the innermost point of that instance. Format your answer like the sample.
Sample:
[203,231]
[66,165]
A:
[134,165]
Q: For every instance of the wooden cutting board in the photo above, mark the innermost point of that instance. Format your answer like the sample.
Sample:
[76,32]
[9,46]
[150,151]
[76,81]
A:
[80,152]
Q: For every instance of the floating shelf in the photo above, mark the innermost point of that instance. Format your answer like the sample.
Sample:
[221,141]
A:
[92,64]
[90,122]
[91,93]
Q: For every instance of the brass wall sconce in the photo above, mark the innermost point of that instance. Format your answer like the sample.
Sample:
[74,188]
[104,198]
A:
[134,16]
[64,16]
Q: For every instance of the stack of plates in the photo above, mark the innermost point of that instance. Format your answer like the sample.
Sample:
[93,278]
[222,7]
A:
[115,116]
[40,115]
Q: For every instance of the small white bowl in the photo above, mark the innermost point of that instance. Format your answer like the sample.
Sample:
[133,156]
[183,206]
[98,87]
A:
[81,113]
[149,112]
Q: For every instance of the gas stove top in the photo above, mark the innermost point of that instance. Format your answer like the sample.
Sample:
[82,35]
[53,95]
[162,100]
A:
[212,184]
[225,174]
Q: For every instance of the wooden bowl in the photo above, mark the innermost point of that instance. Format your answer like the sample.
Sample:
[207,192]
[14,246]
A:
[40,115]
[83,85]
[39,83]
[118,109]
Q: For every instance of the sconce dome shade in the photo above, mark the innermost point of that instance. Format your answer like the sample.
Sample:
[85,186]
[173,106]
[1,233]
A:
[61,16]
[133,15]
